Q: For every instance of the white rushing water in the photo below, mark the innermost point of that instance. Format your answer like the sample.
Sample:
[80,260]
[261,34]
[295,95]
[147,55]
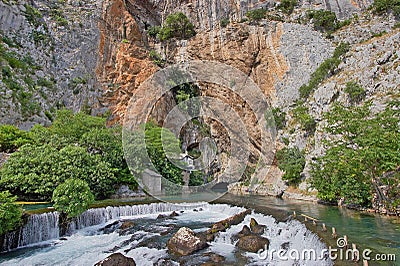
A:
[88,242]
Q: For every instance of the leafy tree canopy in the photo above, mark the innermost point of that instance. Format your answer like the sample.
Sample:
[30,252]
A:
[357,161]
[10,213]
[72,197]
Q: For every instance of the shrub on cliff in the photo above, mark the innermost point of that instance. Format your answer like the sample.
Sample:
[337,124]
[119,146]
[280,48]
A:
[72,197]
[384,6]
[10,213]
[355,92]
[256,14]
[287,6]
[325,70]
[292,162]
[178,26]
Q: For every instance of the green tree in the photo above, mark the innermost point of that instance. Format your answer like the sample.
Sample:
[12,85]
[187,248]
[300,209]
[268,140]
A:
[178,26]
[279,117]
[256,14]
[355,92]
[72,197]
[158,142]
[384,6]
[292,162]
[10,213]
[35,171]
[70,127]
[11,138]
[287,6]
[357,160]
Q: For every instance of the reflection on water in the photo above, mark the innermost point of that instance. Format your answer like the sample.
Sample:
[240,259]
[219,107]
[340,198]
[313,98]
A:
[380,233]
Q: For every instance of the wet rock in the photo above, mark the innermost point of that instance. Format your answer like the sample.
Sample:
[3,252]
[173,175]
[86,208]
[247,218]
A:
[252,243]
[167,230]
[173,214]
[152,242]
[127,225]
[185,242]
[245,231]
[165,262]
[63,239]
[161,216]
[256,228]
[116,259]
[109,228]
[215,257]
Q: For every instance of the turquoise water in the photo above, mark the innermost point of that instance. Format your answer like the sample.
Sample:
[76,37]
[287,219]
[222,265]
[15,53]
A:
[376,232]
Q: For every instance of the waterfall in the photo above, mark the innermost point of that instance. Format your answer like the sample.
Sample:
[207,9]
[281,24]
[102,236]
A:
[46,226]
[38,228]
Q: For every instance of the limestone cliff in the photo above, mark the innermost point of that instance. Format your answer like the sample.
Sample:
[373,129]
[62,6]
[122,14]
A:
[104,53]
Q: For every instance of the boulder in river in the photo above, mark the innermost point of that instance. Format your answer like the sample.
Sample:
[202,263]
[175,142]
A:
[256,228]
[126,225]
[252,243]
[185,242]
[116,259]
[173,214]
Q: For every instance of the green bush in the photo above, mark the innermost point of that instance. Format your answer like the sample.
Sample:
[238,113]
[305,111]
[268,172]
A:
[72,197]
[177,26]
[138,153]
[323,20]
[11,138]
[33,15]
[384,6]
[75,146]
[287,6]
[326,21]
[10,213]
[224,22]
[279,117]
[157,59]
[196,178]
[292,162]
[355,92]
[306,121]
[154,31]
[256,15]
[35,171]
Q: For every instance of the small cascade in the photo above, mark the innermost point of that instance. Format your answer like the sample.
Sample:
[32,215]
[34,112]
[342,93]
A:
[38,228]
[46,226]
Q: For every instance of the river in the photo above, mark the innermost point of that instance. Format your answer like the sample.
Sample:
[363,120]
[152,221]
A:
[88,241]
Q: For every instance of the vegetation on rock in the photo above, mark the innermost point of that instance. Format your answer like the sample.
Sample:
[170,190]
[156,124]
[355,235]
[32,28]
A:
[256,14]
[10,213]
[325,70]
[177,26]
[292,162]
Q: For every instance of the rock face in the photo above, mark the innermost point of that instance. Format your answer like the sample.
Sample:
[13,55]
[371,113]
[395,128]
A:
[252,243]
[58,60]
[116,259]
[185,242]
